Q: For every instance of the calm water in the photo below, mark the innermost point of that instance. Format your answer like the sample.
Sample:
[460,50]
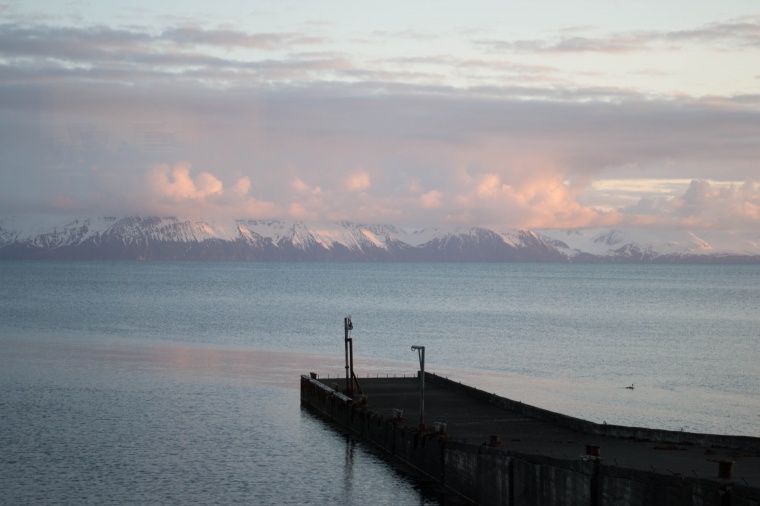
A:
[177,383]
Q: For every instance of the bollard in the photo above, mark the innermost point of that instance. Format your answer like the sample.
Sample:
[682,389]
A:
[726,469]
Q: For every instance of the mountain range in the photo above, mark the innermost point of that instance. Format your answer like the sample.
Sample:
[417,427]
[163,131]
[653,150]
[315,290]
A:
[171,238]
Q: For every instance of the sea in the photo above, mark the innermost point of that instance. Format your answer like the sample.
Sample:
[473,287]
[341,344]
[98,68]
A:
[178,382]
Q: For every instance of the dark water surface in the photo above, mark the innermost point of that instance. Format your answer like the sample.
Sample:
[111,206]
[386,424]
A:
[177,383]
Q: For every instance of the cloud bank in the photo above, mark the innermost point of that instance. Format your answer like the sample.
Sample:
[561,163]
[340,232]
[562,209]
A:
[222,122]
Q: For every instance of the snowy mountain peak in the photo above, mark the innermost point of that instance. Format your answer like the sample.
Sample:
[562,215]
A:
[135,237]
[655,245]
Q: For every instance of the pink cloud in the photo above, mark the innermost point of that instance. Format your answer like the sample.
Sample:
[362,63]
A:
[300,186]
[174,191]
[431,200]
[299,211]
[176,183]
[251,208]
[539,198]
[242,187]
[358,181]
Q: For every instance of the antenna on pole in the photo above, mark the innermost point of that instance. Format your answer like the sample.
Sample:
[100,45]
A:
[421,354]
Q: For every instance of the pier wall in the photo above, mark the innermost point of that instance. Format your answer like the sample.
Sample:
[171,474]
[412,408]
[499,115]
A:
[494,475]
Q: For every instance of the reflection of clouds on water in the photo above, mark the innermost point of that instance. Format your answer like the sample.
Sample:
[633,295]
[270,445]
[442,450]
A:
[654,403]
[131,421]
[562,337]
[196,363]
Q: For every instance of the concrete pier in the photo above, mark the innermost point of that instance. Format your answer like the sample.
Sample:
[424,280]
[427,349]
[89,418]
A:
[492,450]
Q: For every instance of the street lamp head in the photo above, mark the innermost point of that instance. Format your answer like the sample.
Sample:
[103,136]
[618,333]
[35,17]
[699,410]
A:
[415,347]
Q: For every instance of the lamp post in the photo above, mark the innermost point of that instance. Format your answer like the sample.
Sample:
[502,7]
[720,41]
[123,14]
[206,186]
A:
[421,354]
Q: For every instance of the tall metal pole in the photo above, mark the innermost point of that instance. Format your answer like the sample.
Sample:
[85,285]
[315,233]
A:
[421,354]
[351,365]
[347,326]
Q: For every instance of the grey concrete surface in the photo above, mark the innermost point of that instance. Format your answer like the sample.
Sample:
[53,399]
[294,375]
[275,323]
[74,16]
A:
[474,421]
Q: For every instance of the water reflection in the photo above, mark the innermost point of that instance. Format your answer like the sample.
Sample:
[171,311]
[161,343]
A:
[174,424]
[652,404]
[348,468]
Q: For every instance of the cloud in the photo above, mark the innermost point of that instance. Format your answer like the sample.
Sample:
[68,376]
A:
[224,58]
[132,55]
[431,200]
[742,32]
[242,187]
[538,197]
[173,190]
[95,118]
[358,181]
[427,157]
[99,42]
[299,211]
[574,44]
[301,187]
[176,183]
[229,38]
[704,205]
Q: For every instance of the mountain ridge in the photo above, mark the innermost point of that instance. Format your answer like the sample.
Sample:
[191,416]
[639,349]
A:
[173,238]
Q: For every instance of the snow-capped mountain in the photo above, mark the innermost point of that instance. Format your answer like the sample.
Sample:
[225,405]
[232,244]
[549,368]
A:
[655,245]
[153,238]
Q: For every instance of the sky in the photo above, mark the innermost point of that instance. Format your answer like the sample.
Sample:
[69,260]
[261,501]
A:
[506,114]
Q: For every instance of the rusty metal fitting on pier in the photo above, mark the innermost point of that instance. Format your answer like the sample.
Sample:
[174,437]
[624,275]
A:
[726,469]
[594,451]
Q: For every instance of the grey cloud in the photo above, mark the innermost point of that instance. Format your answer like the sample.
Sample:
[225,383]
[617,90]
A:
[746,99]
[68,43]
[452,64]
[55,48]
[588,136]
[406,34]
[575,44]
[233,38]
[742,33]
[705,205]
[632,125]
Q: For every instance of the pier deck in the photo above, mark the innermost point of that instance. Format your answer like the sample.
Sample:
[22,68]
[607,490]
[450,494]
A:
[474,420]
